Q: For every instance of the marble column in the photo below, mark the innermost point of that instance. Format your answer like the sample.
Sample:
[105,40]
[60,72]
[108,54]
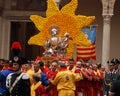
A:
[106,40]
[0,36]
[5,32]
[5,42]
[108,7]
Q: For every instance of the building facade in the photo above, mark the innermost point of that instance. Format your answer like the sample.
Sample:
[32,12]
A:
[15,25]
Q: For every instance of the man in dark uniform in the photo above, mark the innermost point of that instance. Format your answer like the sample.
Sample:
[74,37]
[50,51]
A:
[115,88]
[116,72]
[18,83]
[108,79]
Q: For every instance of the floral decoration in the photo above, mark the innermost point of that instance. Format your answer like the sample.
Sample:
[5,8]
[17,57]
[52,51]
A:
[66,20]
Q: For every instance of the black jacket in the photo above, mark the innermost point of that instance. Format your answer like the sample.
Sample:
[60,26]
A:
[22,87]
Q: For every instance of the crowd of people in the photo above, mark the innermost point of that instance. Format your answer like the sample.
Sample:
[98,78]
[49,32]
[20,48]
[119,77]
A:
[61,78]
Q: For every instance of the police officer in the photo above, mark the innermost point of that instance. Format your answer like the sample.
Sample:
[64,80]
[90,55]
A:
[116,71]
[108,79]
[18,83]
[115,89]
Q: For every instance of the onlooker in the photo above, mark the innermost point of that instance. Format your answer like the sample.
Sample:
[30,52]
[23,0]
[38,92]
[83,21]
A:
[37,89]
[1,64]
[3,76]
[6,64]
[1,67]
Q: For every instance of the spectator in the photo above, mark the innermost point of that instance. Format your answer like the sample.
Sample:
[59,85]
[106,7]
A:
[3,76]
[37,89]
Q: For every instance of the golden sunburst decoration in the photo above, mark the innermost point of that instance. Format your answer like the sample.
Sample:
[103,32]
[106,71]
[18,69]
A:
[66,20]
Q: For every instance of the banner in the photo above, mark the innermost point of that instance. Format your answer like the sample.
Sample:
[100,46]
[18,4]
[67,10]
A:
[87,53]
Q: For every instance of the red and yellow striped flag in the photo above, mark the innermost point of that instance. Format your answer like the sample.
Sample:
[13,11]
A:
[88,52]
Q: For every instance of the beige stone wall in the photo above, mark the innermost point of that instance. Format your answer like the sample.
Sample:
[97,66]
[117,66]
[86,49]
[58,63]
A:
[94,7]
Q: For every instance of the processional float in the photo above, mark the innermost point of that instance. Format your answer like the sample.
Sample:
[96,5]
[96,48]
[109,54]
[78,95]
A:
[60,30]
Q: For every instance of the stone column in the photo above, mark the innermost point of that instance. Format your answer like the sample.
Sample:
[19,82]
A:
[108,6]
[106,40]
[0,36]
[5,42]
[5,32]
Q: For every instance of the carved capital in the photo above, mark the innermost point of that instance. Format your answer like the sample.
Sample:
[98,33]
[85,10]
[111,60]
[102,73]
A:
[108,6]
[107,19]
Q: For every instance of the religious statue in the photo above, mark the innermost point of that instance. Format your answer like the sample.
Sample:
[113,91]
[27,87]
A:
[56,45]
[48,49]
[63,44]
[51,43]
[54,39]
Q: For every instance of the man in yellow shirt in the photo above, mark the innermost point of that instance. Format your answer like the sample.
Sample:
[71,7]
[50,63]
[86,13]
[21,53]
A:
[65,81]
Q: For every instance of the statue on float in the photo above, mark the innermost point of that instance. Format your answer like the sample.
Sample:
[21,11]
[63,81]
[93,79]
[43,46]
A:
[56,45]
[63,45]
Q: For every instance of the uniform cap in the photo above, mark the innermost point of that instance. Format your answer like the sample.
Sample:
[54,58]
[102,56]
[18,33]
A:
[19,60]
[16,48]
[109,63]
[115,61]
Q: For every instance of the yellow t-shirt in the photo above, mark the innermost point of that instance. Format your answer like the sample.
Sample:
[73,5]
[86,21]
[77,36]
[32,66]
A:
[65,80]
[34,87]
[30,72]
